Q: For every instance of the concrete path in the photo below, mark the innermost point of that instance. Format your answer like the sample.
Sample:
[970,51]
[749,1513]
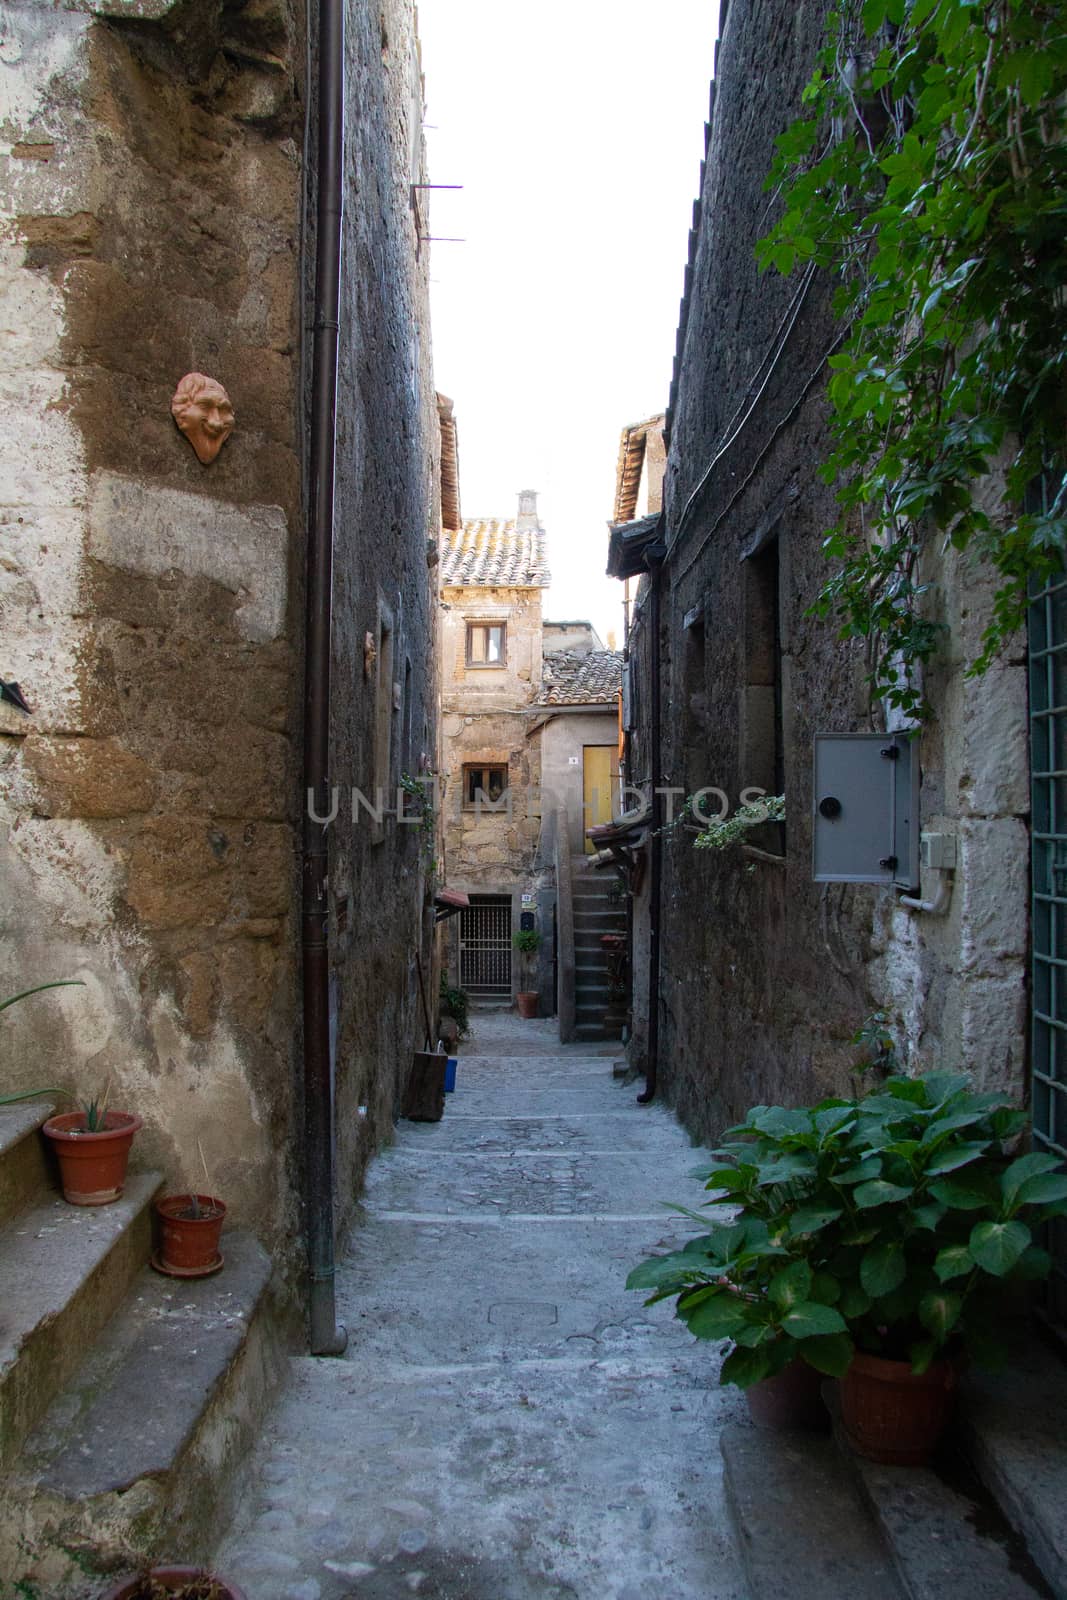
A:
[507,1422]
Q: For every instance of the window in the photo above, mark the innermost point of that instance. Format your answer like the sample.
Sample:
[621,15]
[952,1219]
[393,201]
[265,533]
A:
[485,644]
[483,785]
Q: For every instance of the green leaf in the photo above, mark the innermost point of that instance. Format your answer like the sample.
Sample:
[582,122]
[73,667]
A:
[997,1246]
[746,1367]
[810,1319]
[959,1155]
[1037,1164]
[1041,1189]
[928,1216]
[959,1195]
[810,1219]
[939,1312]
[883,1267]
[880,1193]
[717,1317]
[829,1352]
[869,1168]
[953,1262]
[790,1287]
[825,1288]
[854,1302]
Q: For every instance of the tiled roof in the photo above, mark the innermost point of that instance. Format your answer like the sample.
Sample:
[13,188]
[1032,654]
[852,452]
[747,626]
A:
[487,552]
[632,447]
[589,678]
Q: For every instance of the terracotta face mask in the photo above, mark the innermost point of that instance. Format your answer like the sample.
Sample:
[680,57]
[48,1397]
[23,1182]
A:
[201,408]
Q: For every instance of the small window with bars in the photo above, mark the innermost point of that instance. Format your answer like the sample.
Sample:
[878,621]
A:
[486,644]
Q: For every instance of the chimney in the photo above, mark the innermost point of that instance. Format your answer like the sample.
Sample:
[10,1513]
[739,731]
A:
[527,517]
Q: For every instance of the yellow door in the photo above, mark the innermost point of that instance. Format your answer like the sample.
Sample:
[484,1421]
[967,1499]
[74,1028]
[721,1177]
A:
[600,785]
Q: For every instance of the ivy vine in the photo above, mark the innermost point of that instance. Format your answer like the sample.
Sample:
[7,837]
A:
[928,175]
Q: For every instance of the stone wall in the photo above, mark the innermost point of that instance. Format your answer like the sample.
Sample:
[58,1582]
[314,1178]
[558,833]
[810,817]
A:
[151,606]
[766,975]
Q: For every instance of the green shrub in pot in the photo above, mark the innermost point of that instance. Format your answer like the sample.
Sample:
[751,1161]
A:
[890,1223]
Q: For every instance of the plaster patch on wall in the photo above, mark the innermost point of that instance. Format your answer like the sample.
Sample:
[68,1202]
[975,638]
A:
[69,873]
[36,46]
[141,528]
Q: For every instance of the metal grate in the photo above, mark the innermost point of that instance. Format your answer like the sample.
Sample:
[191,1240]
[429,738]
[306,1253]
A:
[485,947]
[1048,763]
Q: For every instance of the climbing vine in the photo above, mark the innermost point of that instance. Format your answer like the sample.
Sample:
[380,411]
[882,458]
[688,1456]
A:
[928,175]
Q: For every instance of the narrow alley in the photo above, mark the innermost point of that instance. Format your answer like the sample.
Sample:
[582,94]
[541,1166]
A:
[507,1423]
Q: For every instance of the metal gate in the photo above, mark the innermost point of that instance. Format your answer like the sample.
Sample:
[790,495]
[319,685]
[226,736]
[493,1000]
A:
[485,947]
[1048,766]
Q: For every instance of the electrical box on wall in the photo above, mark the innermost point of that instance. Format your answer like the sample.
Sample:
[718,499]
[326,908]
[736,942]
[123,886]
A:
[866,809]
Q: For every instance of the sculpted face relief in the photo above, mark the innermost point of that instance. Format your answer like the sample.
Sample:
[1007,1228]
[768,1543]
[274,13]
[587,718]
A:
[201,408]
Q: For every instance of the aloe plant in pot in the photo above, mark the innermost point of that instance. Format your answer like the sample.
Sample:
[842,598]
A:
[875,1239]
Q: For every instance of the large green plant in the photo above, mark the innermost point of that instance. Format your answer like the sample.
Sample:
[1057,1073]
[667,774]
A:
[889,1223]
[928,174]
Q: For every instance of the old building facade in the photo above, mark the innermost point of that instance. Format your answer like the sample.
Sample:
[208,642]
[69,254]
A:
[760,977]
[162,169]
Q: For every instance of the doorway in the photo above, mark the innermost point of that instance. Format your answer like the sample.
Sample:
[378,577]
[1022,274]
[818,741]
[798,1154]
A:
[600,786]
[485,947]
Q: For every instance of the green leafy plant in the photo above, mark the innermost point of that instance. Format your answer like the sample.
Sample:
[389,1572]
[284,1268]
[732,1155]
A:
[928,176]
[718,835]
[526,941]
[455,1002]
[888,1223]
[419,804]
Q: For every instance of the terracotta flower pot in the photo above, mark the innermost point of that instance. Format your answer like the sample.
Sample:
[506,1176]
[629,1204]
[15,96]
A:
[526,1000]
[892,1414]
[791,1399]
[189,1245]
[92,1166]
[172,1579]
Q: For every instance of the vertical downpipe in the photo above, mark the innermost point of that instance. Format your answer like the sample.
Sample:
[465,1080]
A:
[654,560]
[328,1338]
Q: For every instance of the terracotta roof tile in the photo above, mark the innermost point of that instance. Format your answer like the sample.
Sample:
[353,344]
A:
[572,678]
[489,552]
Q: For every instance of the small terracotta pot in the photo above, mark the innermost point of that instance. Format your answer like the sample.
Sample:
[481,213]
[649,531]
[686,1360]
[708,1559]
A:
[172,1578]
[189,1246]
[527,1000]
[892,1414]
[791,1399]
[92,1166]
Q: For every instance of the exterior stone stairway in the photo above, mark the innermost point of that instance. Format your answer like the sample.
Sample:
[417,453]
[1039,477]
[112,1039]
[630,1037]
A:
[598,1013]
[126,1398]
[986,1520]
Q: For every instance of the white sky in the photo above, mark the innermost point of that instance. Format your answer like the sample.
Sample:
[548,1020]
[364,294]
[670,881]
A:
[576,128]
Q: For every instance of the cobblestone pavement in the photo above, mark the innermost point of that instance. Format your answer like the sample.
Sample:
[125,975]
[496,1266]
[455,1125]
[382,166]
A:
[507,1422]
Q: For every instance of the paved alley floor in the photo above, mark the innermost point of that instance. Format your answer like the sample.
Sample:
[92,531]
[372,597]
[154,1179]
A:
[507,1423]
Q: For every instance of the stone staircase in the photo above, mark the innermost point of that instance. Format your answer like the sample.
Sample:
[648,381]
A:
[598,1013]
[987,1520]
[126,1398]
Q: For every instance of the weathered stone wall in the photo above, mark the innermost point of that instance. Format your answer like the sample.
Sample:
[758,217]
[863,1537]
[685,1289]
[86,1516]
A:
[152,606]
[767,975]
[384,707]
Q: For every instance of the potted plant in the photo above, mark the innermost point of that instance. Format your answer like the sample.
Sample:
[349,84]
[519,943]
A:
[893,1223]
[189,1229]
[175,1583]
[93,1149]
[527,941]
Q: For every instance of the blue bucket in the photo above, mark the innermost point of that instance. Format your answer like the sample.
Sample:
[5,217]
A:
[450,1075]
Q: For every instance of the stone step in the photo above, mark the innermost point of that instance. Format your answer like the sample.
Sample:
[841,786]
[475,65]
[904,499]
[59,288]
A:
[1012,1426]
[64,1269]
[133,1459]
[24,1171]
[800,1524]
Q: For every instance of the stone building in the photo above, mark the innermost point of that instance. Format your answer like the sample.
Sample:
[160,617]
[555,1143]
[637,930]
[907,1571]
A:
[752,978]
[167,206]
[529,736]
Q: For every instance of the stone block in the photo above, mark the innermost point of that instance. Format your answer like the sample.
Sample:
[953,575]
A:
[154,531]
[988,744]
[90,778]
[992,885]
[187,871]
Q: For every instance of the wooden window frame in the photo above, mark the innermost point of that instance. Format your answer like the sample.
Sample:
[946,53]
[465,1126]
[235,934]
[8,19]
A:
[484,767]
[486,623]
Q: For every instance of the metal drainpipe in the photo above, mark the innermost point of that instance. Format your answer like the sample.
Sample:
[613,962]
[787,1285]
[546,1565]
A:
[654,560]
[328,1338]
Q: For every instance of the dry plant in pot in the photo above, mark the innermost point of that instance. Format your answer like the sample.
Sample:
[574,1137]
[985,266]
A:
[190,1226]
[874,1239]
